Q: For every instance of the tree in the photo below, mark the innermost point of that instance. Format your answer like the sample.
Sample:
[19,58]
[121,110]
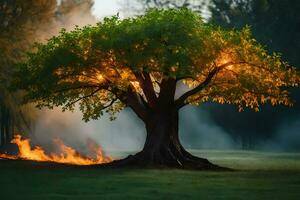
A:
[138,62]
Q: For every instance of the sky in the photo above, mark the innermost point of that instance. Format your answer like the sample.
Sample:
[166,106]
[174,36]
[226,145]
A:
[103,8]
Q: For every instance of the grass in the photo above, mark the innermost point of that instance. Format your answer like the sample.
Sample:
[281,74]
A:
[263,176]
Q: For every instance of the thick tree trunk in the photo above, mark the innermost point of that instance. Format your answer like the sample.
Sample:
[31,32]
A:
[162,146]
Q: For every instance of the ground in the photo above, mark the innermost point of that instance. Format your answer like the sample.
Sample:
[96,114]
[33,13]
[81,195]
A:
[262,176]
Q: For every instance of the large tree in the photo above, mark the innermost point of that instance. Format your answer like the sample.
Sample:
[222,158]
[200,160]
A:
[139,62]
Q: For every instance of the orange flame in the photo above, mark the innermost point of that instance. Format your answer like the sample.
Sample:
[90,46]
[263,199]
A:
[68,155]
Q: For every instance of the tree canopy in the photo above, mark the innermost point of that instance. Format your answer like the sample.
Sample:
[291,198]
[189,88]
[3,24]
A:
[137,62]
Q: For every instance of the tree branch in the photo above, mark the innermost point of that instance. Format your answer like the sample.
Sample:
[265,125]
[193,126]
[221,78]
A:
[184,77]
[136,103]
[111,103]
[83,97]
[146,84]
[75,88]
[180,102]
[130,98]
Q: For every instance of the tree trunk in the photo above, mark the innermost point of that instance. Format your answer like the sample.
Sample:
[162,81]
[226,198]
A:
[162,146]
[2,124]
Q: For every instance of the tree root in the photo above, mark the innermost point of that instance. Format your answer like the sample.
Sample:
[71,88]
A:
[187,161]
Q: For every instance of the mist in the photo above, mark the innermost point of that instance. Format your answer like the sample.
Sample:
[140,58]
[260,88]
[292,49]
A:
[286,138]
[198,131]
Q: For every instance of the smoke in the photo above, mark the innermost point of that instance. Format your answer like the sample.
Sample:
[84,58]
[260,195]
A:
[72,13]
[68,15]
[197,130]
[125,134]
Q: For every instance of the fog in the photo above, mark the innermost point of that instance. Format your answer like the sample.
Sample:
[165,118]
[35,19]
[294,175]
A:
[197,130]
[286,138]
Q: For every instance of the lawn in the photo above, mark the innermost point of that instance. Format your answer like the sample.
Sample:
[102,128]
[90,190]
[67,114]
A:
[262,176]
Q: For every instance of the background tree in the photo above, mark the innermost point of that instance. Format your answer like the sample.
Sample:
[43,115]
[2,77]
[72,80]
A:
[22,23]
[138,63]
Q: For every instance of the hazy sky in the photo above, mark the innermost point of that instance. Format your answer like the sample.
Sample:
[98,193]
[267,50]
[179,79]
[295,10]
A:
[103,8]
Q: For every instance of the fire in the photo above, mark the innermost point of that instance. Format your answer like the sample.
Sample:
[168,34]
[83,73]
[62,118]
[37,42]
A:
[67,154]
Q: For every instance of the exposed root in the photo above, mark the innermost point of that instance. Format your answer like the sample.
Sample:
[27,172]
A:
[142,160]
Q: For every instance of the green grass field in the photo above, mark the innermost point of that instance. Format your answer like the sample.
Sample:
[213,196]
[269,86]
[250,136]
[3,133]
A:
[262,176]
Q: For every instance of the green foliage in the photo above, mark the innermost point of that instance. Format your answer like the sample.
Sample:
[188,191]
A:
[103,67]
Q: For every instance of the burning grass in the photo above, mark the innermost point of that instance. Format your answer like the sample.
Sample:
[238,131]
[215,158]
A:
[67,154]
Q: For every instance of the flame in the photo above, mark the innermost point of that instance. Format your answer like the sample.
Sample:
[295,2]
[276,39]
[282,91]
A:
[67,154]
